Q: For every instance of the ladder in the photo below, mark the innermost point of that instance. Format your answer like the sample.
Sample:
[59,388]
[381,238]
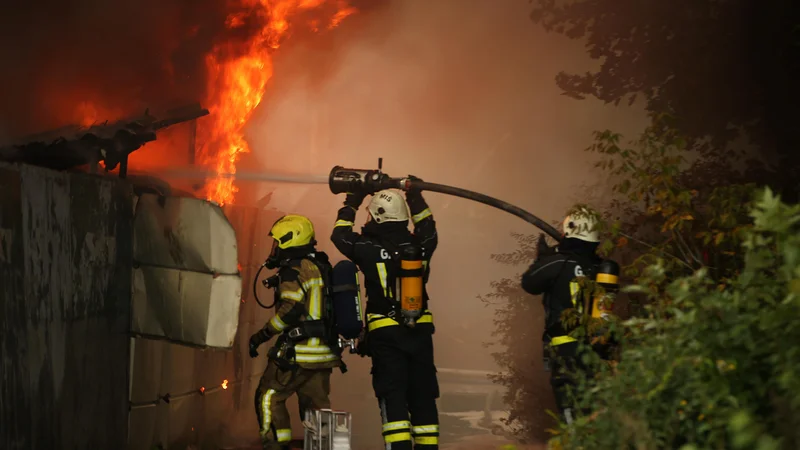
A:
[327,429]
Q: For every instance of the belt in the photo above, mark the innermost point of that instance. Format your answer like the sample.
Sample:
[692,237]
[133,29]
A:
[375,321]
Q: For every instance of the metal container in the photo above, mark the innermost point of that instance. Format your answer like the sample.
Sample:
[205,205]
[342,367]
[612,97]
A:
[326,429]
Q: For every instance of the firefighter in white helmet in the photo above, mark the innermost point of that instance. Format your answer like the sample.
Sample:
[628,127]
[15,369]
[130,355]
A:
[403,371]
[555,273]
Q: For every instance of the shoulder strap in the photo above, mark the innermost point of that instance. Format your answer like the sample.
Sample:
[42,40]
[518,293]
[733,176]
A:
[328,317]
[325,269]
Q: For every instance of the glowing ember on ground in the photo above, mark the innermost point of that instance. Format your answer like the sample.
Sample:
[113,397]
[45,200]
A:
[237,85]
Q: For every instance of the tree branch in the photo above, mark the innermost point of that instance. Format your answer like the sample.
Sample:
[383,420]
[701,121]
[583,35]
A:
[688,248]
[631,238]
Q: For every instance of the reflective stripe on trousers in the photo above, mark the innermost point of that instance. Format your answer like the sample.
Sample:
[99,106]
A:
[425,434]
[284,435]
[399,431]
[266,413]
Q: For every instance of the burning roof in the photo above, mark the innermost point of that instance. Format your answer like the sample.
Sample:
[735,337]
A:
[215,52]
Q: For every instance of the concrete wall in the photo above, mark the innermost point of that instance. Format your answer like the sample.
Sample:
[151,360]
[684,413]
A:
[65,252]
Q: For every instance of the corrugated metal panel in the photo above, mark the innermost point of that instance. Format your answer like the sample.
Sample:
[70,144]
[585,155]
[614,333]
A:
[65,261]
[224,418]
[186,283]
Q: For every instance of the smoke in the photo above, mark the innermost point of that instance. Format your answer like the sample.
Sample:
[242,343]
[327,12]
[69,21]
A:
[66,60]
[459,92]
[196,174]
[455,92]
[117,55]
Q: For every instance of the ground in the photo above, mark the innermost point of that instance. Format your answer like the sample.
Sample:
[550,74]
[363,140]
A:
[462,431]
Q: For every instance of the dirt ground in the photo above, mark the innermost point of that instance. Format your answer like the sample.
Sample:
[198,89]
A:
[471,443]
[461,429]
[481,441]
[487,442]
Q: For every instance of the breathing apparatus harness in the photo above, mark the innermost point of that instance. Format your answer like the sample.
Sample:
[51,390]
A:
[283,352]
[606,273]
[406,287]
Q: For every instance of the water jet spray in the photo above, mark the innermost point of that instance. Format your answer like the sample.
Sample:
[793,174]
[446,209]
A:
[341,179]
[200,174]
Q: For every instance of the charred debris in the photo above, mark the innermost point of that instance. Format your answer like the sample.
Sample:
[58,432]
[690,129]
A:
[74,146]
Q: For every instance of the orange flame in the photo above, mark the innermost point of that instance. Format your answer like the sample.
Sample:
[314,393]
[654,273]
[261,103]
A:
[224,384]
[237,85]
[89,113]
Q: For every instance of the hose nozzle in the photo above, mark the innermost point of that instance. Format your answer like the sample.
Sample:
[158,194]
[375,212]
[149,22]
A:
[342,180]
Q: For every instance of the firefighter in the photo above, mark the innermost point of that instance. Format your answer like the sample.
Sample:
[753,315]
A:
[300,362]
[403,371]
[556,273]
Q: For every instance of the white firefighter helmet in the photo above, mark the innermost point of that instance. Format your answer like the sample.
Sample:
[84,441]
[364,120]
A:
[388,205]
[581,224]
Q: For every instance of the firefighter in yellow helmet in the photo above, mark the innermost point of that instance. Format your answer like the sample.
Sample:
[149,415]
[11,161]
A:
[301,360]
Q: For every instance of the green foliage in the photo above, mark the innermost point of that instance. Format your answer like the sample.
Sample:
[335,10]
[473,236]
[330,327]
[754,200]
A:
[659,214]
[519,329]
[708,368]
[662,212]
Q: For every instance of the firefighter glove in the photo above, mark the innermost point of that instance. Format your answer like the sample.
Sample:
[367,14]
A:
[256,340]
[413,191]
[362,349]
[354,199]
[542,249]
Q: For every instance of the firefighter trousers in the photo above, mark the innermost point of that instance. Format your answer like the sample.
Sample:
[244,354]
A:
[405,383]
[312,386]
[565,364]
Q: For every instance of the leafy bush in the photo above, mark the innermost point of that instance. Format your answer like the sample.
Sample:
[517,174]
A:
[668,209]
[708,367]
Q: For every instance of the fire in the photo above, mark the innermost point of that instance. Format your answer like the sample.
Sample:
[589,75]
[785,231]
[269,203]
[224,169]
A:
[224,384]
[89,113]
[237,84]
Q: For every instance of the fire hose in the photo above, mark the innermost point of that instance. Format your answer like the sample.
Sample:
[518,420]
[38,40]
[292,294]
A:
[343,180]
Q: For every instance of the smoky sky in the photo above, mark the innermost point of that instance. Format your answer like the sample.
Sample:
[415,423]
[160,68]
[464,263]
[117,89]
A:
[58,53]
[459,92]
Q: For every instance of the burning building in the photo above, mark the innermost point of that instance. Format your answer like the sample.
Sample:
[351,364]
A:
[118,294]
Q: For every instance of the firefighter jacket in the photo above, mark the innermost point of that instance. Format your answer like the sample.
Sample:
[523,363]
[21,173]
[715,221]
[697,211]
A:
[300,297]
[556,276]
[371,252]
